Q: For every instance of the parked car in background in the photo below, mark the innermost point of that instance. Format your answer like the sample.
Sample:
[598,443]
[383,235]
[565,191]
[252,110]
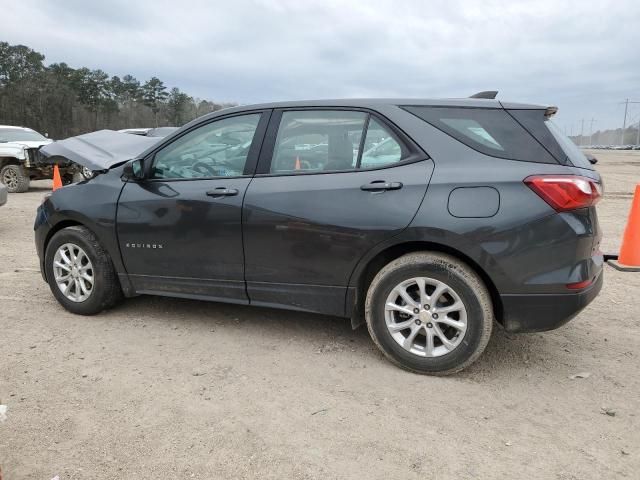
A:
[464,211]
[21,161]
[136,131]
[159,132]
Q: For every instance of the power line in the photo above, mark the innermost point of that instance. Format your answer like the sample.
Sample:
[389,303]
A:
[624,123]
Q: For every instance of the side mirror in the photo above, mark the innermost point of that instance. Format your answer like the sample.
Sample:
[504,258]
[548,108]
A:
[133,170]
[592,160]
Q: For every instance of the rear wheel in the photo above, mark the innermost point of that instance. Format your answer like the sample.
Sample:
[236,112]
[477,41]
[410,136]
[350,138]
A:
[80,272]
[15,178]
[429,313]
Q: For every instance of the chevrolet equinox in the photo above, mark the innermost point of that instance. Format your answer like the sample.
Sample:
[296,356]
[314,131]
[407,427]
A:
[424,219]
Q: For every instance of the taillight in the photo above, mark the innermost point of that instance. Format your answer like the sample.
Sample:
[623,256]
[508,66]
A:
[565,192]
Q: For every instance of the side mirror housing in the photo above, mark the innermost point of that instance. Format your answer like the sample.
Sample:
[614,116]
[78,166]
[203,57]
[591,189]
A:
[133,171]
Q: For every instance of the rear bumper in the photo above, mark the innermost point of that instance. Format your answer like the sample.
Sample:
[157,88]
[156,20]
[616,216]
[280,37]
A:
[540,312]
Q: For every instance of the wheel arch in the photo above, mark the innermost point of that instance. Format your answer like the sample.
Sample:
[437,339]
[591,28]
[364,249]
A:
[376,263]
[69,222]
[8,161]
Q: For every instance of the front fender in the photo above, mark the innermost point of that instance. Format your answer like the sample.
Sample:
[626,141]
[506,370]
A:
[13,151]
[92,204]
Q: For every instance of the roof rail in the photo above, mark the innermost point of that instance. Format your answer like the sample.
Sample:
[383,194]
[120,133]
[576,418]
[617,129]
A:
[490,94]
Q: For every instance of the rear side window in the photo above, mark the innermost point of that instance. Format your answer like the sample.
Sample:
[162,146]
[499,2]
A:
[380,147]
[487,130]
[313,141]
[553,139]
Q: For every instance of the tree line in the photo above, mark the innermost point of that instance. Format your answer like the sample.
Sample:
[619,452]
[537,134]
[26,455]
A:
[64,101]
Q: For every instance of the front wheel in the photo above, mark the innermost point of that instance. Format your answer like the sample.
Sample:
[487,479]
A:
[15,178]
[429,313]
[80,272]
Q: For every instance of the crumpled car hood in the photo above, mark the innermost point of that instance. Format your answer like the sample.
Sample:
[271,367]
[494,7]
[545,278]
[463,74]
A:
[100,150]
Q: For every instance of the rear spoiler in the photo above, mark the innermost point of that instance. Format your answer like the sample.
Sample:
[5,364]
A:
[488,94]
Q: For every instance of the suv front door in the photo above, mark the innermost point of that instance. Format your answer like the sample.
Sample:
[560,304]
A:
[180,229]
[322,197]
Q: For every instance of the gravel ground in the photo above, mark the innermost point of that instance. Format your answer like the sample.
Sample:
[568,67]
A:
[164,388]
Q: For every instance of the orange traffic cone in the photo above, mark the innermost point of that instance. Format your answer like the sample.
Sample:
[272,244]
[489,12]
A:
[297,163]
[630,249]
[57,181]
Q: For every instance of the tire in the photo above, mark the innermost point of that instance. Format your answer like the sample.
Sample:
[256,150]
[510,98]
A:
[105,291]
[15,178]
[468,323]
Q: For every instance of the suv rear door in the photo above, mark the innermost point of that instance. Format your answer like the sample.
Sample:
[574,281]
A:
[330,185]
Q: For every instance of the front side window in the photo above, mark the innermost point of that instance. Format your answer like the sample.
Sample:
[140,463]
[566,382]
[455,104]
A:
[217,149]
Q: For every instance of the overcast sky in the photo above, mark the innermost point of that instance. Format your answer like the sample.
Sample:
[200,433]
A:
[582,56]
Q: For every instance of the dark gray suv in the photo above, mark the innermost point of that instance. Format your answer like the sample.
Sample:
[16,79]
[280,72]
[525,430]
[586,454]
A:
[424,219]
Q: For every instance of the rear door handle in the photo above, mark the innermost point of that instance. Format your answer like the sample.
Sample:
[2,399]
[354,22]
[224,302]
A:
[381,186]
[222,192]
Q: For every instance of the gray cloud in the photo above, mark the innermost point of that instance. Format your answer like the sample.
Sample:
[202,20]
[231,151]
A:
[579,55]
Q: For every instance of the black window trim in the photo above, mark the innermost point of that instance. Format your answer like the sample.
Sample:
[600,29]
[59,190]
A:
[414,152]
[252,156]
[405,108]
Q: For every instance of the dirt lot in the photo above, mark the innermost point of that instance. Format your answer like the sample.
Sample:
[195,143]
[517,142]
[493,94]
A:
[162,388]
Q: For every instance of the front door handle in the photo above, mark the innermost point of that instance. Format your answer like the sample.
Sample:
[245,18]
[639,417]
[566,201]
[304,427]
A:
[381,186]
[222,192]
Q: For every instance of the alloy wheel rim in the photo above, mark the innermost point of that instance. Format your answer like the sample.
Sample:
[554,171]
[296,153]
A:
[426,317]
[10,178]
[73,272]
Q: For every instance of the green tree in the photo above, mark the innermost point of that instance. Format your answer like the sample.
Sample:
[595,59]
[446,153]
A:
[177,104]
[154,93]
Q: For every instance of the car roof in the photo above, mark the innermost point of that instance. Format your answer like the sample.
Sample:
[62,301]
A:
[381,102]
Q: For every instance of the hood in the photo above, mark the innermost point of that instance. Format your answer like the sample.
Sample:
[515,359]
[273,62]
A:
[99,150]
[17,149]
[26,144]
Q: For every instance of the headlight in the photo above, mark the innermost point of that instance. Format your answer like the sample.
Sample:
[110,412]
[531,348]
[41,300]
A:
[86,173]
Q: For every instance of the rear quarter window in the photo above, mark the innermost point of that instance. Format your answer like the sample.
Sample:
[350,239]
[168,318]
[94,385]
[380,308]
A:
[489,131]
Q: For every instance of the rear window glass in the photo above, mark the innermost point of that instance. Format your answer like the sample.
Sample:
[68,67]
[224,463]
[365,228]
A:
[488,130]
[571,149]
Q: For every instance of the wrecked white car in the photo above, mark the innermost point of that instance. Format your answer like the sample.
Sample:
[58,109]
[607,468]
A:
[21,161]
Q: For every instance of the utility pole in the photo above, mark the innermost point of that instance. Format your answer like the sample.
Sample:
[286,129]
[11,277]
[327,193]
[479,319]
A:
[591,132]
[638,136]
[624,123]
[581,132]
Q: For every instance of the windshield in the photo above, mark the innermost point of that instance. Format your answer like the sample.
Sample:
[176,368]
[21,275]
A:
[570,149]
[19,135]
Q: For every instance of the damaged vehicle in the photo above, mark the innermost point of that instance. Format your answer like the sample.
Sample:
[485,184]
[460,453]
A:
[21,162]
[426,220]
